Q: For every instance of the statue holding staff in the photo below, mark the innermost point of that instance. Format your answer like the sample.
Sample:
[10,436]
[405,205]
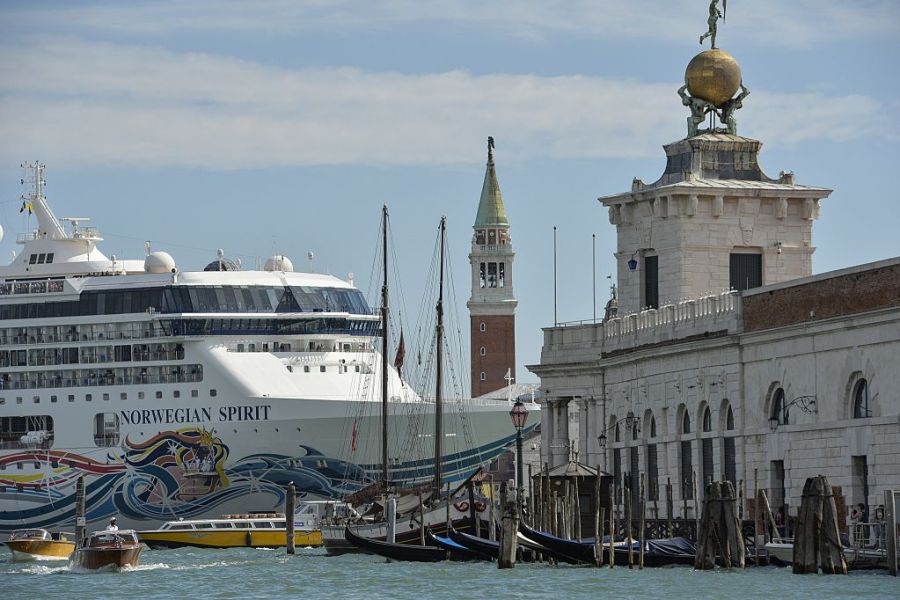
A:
[714,15]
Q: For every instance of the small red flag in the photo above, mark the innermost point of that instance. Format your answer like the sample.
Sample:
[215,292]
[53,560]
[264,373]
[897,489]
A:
[401,354]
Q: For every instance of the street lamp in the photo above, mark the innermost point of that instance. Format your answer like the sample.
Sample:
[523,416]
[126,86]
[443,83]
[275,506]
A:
[631,422]
[519,414]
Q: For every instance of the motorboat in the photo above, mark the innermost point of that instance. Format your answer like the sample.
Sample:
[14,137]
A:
[39,544]
[108,549]
[250,530]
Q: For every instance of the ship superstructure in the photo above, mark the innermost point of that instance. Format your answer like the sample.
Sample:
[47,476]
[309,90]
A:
[182,394]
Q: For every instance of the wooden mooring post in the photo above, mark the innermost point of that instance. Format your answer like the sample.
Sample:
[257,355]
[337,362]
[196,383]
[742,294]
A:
[670,506]
[508,530]
[290,508]
[643,504]
[756,545]
[422,517]
[890,519]
[598,521]
[612,526]
[80,521]
[817,542]
[626,498]
[720,534]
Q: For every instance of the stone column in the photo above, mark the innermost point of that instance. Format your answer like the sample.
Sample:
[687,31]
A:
[559,450]
[585,415]
[548,430]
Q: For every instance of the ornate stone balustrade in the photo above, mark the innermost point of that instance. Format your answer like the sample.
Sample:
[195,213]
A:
[685,319]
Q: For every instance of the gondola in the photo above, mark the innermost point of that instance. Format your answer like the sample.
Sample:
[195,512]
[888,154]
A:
[400,552]
[457,551]
[657,553]
[568,551]
[489,549]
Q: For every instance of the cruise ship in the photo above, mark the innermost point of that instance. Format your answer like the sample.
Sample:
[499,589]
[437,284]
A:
[190,394]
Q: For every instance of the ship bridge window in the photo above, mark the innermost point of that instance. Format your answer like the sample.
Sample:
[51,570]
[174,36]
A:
[32,431]
[106,429]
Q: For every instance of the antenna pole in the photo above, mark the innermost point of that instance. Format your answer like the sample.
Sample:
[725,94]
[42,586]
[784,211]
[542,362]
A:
[594,272]
[555,319]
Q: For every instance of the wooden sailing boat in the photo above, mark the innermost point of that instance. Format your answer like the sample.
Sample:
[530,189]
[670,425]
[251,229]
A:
[438,517]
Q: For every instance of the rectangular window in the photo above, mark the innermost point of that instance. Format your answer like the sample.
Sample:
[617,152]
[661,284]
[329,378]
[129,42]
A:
[71,397]
[158,395]
[482,277]
[652,473]
[730,462]
[492,275]
[687,471]
[176,394]
[651,281]
[502,274]
[708,474]
[213,393]
[123,396]
[52,399]
[194,393]
[744,271]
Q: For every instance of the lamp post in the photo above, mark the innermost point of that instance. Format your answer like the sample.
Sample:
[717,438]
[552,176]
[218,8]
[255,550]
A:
[519,414]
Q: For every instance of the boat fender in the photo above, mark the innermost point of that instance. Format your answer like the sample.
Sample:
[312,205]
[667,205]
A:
[480,506]
[462,506]
[249,539]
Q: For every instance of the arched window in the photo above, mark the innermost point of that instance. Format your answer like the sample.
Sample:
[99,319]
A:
[779,412]
[482,327]
[483,376]
[729,419]
[685,422]
[618,435]
[707,420]
[652,427]
[861,400]
[635,430]
[483,351]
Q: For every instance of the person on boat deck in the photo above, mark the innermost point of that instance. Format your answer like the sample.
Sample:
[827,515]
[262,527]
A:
[112,525]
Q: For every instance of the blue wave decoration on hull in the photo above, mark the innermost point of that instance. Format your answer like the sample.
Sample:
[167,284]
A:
[183,474]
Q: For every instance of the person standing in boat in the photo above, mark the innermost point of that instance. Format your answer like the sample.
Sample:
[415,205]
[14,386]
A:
[113,526]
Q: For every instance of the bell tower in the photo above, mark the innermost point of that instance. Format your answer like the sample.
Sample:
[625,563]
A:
[492,305]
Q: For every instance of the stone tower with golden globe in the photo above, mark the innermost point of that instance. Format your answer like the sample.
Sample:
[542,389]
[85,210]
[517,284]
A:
[713,221]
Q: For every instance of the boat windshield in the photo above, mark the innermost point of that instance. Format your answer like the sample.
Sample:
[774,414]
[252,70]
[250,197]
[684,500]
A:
[30,534]
[111,538]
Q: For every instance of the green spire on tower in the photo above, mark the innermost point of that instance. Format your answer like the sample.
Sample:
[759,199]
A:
[490,208]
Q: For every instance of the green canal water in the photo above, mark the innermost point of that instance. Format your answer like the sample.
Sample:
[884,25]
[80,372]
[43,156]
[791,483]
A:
[248,573]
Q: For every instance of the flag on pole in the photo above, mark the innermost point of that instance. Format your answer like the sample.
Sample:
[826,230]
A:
[401,355]
[354,435]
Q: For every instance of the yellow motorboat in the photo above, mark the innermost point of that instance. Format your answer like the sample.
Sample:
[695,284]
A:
[39,544]
[252,530]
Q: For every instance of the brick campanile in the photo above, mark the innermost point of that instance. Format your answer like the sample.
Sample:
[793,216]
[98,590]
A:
[492,305]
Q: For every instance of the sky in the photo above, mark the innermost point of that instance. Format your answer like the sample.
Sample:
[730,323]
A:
[282,126]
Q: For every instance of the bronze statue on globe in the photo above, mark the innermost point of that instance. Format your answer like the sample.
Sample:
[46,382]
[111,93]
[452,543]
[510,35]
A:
[711,80]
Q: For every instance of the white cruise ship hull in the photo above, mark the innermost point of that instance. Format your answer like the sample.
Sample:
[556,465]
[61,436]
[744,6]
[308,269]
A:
[200,462]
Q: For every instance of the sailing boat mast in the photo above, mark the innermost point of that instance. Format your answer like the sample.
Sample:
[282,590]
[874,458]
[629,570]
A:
[438,417]
[384,353]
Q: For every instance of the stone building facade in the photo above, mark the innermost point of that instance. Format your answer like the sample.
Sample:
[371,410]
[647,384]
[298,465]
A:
[728,359]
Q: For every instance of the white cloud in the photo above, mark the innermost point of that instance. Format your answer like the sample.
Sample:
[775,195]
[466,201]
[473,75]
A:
[83,103]
[763,22]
